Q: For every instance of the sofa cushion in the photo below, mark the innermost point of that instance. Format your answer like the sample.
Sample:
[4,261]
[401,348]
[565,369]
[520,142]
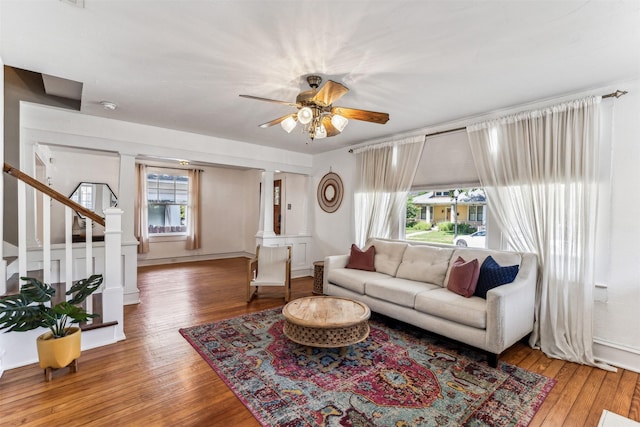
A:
[493,275]
[360,260]
[464,277]
[502,257]
[353,280]
[398,291]
[388,255]
[451,306]
[425,264]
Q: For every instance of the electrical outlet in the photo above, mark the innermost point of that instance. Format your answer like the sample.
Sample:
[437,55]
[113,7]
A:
[289,206]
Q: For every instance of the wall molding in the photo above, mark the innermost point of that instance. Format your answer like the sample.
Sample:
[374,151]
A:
[617,355]
[192,258]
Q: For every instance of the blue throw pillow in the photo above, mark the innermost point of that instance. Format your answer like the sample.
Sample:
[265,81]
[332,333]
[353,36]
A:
[492,276]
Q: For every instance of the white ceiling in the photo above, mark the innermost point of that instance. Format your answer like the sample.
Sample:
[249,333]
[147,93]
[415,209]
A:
[182,64]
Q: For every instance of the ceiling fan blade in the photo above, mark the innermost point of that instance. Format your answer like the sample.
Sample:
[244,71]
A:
[276,121]
[364,115]
[329,127]
[329,93]
[292,104]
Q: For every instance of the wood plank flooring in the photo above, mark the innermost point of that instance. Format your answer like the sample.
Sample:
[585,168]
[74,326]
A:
[156,378]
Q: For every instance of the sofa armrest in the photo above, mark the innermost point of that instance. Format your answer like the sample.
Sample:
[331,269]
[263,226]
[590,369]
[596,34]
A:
[510,307]
[332,262]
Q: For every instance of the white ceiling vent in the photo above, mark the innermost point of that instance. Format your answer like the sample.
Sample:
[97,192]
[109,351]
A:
[76,3]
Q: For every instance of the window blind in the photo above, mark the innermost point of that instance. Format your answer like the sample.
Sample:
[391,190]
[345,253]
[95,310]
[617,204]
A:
[446,163]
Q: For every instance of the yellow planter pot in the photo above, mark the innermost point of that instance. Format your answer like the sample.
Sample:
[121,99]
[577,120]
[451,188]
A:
[60,352]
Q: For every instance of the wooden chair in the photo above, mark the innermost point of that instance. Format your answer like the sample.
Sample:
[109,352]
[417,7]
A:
[270,267]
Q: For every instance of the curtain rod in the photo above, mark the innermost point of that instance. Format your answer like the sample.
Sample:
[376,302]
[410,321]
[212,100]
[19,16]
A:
[617,94]
[169,167]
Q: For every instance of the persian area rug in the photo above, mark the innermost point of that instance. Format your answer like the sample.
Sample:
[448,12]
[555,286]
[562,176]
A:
[399,376]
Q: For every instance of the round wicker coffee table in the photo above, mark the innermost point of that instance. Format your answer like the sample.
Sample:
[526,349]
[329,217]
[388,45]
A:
[322,321]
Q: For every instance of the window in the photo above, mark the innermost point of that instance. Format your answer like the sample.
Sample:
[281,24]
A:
[168,197]
[84,195]
[476,213]
[436,223]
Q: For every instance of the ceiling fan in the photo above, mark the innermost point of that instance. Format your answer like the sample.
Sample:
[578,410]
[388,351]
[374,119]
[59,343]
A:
[316,112]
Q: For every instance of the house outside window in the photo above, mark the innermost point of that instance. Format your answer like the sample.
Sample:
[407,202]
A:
[436,221]
[168,197]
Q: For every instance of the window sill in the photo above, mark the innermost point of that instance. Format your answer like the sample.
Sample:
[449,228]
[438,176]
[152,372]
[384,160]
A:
[167,237]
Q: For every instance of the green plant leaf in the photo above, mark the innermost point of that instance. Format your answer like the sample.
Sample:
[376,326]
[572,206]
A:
[16,314]
[36,291]
[83,288]
[73,312]
[19,313]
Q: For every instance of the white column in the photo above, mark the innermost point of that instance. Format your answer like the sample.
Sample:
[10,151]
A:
[127,194]
[113,293]
[265,226]
[126,202]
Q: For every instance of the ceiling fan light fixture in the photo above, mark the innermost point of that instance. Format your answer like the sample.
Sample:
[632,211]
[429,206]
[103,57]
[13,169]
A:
[288,124]
[305,115]
[339,122]
[320,132]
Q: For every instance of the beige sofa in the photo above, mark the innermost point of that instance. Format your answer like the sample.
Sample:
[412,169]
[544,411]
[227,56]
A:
[410,284]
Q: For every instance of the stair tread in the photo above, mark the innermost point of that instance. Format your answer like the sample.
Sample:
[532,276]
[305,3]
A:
[13,282]
[97,325]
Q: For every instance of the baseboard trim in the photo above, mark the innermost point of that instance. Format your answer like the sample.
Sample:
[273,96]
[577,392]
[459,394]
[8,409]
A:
[617,355]
[192,258]
[295,272]
[132,298]
[301,272]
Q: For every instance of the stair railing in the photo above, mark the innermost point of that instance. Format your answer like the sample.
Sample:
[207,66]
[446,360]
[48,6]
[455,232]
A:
[112,292]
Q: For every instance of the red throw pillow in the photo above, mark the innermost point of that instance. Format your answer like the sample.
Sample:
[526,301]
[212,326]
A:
[362,260]
[463,277]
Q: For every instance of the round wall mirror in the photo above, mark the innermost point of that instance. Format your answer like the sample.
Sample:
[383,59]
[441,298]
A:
[330,192]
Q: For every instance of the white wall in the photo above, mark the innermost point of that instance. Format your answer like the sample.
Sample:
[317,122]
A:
[251,208]
[294,193]
[68,168]
[616,333]
[333,232]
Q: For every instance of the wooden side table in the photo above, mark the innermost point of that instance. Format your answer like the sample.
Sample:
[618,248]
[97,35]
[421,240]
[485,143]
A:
[318,277]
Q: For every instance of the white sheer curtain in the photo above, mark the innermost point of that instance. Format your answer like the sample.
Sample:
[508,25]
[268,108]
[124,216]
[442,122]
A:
[141,207]
[539,170]
[385,173]
[193,210]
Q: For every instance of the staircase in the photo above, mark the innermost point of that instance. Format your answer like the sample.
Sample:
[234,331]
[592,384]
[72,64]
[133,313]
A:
[61,264]
[92,305]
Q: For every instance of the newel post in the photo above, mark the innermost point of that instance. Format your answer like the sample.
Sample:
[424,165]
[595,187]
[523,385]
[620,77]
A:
[113,292]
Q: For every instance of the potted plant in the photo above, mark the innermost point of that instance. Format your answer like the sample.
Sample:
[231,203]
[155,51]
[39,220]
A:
[28,310]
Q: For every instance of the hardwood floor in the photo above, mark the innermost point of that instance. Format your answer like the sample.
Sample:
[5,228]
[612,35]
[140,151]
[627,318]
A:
[156,378]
